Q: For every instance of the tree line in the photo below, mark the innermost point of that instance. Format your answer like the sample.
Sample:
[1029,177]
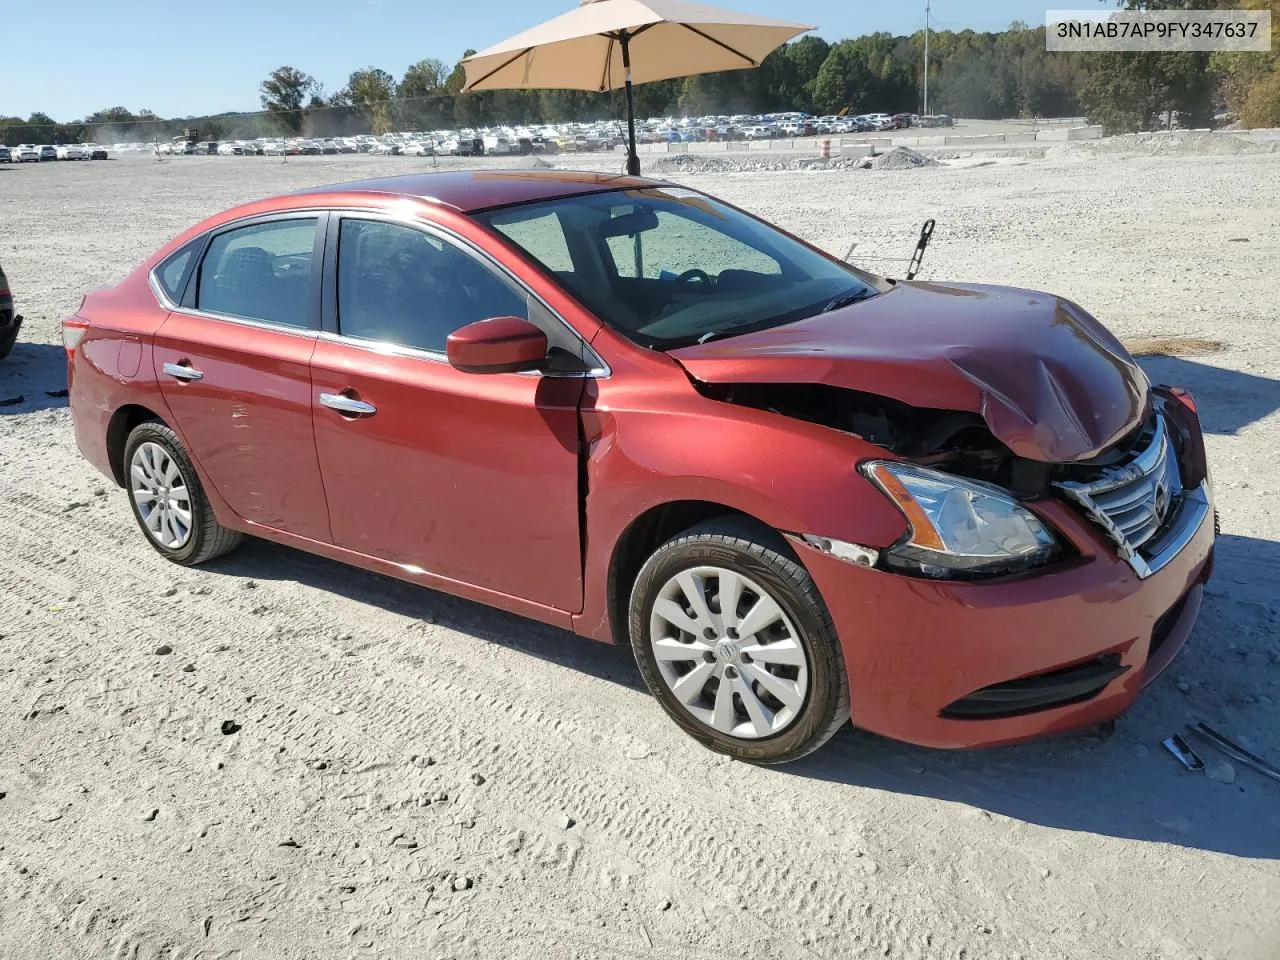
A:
[970,74]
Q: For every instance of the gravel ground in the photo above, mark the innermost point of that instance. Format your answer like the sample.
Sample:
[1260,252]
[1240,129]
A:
[279,757]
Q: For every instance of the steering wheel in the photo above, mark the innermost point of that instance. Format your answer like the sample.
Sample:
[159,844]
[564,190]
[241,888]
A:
[701,276]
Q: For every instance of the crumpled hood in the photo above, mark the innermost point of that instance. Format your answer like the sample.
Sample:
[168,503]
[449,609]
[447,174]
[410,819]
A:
[1051,382]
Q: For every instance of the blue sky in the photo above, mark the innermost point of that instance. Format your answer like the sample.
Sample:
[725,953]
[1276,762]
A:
[69,58]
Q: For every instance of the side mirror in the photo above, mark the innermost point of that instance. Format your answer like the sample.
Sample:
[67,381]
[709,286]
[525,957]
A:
[498,345]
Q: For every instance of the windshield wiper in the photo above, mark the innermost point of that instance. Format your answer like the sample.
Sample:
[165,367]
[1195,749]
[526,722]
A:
[866,293]
[714,335]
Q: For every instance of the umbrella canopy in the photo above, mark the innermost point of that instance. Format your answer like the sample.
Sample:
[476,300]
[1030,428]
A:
[609,44]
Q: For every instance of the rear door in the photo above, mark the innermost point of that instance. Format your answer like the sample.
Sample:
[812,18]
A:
[472,477]
[233,360]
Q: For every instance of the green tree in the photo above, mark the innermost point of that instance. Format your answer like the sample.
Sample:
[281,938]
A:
[1131,91]
[370,91]
[422,102]
[1250,82]
[285,94]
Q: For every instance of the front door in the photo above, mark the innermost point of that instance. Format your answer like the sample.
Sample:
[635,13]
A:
[234,368]
[466,476]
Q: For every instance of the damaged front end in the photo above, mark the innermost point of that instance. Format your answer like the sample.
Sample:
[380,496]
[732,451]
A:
[970,501]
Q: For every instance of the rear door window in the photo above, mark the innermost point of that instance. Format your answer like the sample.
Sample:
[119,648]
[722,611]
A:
[260,272]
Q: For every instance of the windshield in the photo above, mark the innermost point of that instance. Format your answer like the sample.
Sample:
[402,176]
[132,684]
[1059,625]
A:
[668,267]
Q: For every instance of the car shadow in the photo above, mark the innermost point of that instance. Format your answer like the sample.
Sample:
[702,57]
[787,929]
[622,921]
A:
[1227,399]
[1128,785]
[262,560]
[36,372]
[1123,786]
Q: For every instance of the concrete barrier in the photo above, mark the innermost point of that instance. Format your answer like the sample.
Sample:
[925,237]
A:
[975,140]
[759,144]
[1085,133]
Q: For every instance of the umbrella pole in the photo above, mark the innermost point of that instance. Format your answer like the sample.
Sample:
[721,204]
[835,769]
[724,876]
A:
[633,160]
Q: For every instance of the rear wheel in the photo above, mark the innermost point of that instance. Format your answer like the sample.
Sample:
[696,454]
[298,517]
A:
[168,499]
[735,642]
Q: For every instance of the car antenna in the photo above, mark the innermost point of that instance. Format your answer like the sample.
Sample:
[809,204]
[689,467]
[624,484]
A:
[926,232]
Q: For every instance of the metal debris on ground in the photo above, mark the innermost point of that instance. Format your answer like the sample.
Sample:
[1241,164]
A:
[1233,750]
[1182,751]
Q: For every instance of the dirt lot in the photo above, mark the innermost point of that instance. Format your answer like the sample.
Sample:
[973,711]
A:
[418,776]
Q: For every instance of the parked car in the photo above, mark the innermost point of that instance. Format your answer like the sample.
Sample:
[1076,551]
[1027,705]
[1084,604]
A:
[96,151]
[497,144]
[26,153]
[801,492]
[10,322]
[419,148]
[463,147]
[6,155]
[71,151]
[48,152]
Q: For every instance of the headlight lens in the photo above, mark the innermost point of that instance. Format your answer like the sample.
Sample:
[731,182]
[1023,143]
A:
[959,527]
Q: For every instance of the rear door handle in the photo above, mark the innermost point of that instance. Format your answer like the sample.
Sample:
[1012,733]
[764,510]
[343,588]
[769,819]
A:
[182,371]
[345,404]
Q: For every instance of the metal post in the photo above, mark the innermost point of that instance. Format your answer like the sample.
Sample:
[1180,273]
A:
[633,160]
[926,57]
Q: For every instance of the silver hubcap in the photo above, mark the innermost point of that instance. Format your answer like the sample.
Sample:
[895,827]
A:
[728,652]
[160,491]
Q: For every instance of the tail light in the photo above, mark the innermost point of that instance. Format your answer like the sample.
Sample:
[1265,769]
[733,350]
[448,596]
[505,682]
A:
[73,330]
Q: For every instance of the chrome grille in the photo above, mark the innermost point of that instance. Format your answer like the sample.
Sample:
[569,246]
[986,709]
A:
[1133,501]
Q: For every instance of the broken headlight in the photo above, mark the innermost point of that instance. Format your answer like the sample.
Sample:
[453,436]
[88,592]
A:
[958,527]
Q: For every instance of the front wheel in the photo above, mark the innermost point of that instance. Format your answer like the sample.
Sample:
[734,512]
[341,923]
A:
[733,639]
[168,499]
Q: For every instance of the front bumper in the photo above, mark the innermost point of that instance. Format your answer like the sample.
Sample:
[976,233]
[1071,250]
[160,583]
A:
[922,654]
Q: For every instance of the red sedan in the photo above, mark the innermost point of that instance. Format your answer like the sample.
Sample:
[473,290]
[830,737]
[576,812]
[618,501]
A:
[802,493]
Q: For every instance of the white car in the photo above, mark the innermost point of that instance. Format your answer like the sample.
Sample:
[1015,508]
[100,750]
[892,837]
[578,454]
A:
[419,148]
[495,145]
[26,153]
[230,149]
[72,151]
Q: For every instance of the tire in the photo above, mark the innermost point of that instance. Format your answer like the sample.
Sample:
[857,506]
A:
[204,537]
[715,552]
[7,340]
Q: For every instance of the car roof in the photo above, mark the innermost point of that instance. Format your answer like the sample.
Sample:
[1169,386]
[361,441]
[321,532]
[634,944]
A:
[471,190]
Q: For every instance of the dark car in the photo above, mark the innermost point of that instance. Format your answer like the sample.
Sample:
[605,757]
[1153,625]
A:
[955,514]
[10,322]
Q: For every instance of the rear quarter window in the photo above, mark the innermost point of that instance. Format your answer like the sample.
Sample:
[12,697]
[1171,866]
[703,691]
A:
[173,271]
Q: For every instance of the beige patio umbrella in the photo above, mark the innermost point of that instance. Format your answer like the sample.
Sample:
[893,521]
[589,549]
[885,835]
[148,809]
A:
[607,44]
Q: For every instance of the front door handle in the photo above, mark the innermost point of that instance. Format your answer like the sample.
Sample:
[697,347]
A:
[345,404]
[182,371]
